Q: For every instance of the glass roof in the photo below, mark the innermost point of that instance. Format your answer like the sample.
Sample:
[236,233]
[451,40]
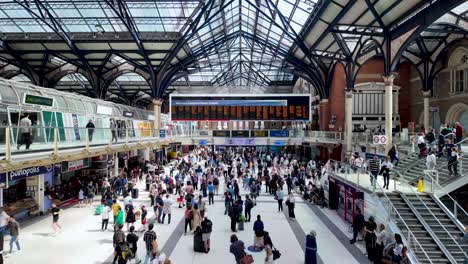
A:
[254,39]
[97,16]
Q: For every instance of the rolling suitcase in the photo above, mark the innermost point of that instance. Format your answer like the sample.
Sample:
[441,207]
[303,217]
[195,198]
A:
[198,245]
[135,193]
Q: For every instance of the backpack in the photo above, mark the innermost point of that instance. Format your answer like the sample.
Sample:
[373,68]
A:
[215,181]
[126,252]
[208,226]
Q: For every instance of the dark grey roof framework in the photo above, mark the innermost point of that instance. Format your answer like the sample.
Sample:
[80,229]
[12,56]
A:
[130,51]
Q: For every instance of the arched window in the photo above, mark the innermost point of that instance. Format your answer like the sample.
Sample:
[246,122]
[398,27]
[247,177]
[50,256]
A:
[458,66]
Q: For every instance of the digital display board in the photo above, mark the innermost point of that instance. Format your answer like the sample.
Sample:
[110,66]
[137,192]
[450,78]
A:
[264,107]
[38,100]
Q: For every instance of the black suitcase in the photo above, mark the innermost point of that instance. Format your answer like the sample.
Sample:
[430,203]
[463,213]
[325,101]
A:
[198,245]
[135,193]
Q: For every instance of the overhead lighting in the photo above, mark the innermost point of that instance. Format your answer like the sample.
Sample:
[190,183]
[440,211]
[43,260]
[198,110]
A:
[99,28]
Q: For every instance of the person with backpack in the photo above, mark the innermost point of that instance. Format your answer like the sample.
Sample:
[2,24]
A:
[118,241]
[207,228]
[132,240]
[248,207]
[150,243]
[158,207]
[370,238]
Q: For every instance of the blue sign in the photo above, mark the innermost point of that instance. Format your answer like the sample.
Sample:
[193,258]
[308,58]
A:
[279,133]
[203,142]
[279,143]
[76,130]
[26,172]
[162,133]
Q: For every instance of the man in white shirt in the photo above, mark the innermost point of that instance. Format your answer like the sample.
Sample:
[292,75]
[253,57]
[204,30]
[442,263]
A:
[105,217]
[431,161]
[25,125]
[386,167]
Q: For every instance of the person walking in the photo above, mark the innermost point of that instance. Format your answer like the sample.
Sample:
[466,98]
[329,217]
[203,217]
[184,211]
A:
[358,224]
[311,248]
[25,126]
[150,242]
[290,202]
[207,228]
[113,127]
[374,167]
[188,218]
[158,207]
[115,209]
[196,217]
[210,193]
[237,248]
[90,127]
[386,167]
[234,215]
[431,160]
[280,197]
[55,218]
[132,240]
[105,217]
[13,229]
[249,204]
[130,218]
[118,241]
[119,218]
[167,209]
[80,198]
[201,206]
[453,162]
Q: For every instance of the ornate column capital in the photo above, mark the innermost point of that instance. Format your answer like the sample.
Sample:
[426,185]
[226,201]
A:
[427,94]
[158,102]
[349,93]
[388,79]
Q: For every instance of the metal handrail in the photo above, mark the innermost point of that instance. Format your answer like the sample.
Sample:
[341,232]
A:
[440,189]
[435,217]
[400,218]
[446,165]
[389,212]
[410,167]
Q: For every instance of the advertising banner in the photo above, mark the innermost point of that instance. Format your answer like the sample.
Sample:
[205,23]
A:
[24,173]
[76,126]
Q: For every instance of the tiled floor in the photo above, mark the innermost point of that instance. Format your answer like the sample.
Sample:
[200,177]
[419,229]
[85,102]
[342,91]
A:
[82,242]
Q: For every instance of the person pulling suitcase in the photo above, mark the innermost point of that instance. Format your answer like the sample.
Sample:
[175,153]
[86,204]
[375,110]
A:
[207,227]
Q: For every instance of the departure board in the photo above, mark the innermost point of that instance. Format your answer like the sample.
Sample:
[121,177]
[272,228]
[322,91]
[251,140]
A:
[268,107]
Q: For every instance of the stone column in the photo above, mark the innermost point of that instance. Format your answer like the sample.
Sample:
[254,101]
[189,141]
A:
[146,154]
[116,163]
[426,114]
[388,81]
[324,114]
[349,123]
[157,116]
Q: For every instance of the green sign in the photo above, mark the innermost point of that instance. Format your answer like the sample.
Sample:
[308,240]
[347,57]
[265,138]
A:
[38,100]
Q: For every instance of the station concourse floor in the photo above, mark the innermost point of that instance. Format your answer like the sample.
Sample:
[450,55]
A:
[83,242]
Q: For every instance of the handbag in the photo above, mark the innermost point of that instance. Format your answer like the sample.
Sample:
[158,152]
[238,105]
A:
[247,259]
[276,253]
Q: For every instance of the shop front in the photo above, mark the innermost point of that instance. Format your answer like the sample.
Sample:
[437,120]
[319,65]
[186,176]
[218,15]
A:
[64,189]
[345,198]
[23,194]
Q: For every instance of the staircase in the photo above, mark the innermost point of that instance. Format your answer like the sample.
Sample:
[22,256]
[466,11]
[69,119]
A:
[429,210]
[422,235]
[412,170]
